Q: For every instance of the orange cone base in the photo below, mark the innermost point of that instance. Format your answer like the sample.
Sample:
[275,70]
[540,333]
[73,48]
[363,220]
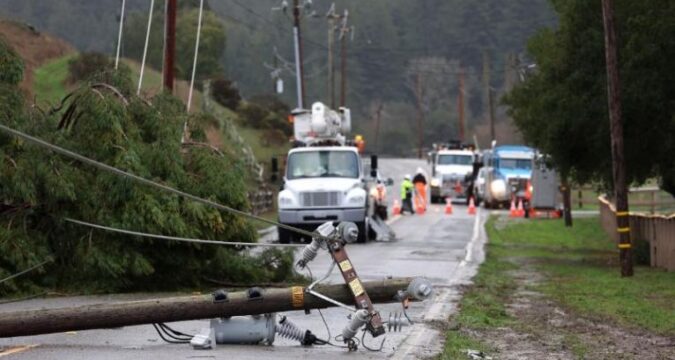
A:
[448,207]
[472,207]
[396,209]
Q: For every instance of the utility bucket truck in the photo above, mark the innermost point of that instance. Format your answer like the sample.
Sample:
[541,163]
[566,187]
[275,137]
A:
[324,179]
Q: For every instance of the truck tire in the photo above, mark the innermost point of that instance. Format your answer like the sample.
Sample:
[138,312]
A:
[285,236]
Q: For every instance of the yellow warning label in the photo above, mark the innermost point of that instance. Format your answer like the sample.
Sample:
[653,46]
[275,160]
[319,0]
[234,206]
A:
[623,230]
[297,296]
[357,288]
[345,265]
[624,246]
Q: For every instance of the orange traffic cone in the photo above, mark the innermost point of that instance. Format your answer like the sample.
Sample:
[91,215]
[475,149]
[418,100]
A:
[520,210]
[448,206]
[513,212]
[420,209]
[396,209]
[472,207]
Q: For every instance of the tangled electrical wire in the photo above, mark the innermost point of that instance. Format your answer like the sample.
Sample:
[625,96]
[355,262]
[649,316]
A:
[351,344]
[171,335]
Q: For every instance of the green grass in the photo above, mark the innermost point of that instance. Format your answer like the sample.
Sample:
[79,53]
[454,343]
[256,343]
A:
[483,305]
[457,343]
[49,80]
[580,271]
[263,153]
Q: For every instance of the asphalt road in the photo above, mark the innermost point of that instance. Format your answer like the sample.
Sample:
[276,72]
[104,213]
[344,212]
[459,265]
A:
[446,249]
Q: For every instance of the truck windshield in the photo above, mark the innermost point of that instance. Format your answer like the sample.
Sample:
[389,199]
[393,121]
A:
[455,159]
[515,164]
[313,164]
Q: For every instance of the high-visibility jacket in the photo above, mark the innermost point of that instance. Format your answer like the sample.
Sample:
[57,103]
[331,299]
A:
[406,187]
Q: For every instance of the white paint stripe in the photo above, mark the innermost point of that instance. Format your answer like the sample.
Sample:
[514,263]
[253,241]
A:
[16,350]
[424,335]
[393,219]
[469,247]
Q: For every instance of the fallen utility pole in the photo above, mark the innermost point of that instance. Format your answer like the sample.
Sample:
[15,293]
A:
[616,134]
[100,316]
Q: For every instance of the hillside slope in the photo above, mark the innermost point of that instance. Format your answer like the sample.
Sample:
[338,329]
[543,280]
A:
[34,47]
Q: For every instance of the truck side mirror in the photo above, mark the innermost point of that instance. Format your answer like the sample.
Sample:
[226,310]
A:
[373,166]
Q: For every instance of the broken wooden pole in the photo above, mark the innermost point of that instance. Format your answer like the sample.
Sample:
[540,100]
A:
[100,316]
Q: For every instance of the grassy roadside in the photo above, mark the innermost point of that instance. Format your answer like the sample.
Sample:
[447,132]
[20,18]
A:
[578,270]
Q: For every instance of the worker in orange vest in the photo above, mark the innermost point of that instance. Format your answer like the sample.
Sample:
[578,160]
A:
[360,143]
[420,182]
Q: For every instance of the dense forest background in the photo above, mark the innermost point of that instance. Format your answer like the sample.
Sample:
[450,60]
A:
[394,43]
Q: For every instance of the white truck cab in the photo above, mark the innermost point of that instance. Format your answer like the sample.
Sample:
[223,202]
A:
[449,174]
[324,179]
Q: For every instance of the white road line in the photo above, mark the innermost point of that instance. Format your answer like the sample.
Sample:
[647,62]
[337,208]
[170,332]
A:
[469,247]
[393,219]
[424,335]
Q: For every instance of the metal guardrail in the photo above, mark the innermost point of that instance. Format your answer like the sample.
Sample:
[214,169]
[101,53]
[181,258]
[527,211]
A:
[657,230]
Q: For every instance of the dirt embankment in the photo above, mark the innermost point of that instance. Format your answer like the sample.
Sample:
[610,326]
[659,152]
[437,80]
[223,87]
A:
[35,47]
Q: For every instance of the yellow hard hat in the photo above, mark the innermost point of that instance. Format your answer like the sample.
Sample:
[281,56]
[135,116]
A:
[358,137]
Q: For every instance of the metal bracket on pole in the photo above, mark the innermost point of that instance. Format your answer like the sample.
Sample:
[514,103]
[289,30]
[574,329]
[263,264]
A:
[343,233]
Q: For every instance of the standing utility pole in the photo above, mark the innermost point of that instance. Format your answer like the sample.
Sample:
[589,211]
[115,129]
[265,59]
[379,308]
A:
[332,18]
[343,66]
[420,115]
[460,104]
[491,102]
[300,80]
[378,114]
[616,133]
[169,44]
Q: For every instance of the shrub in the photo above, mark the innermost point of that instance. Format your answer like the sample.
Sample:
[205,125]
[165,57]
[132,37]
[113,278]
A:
[225,93]
[11,65]
[86,65]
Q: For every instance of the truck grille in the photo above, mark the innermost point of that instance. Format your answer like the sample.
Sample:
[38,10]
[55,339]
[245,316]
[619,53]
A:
[320,198]
[519,184]
[450,181]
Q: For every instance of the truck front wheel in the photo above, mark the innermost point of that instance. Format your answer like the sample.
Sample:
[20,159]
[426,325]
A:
[285,236]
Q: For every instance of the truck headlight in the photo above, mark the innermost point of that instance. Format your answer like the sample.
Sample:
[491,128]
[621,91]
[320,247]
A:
[285,200]
[435,182]
[356,199]
[498,188]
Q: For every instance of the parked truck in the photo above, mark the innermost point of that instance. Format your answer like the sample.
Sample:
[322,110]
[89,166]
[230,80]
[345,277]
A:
[324,179]
[506,175]
[451,170]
